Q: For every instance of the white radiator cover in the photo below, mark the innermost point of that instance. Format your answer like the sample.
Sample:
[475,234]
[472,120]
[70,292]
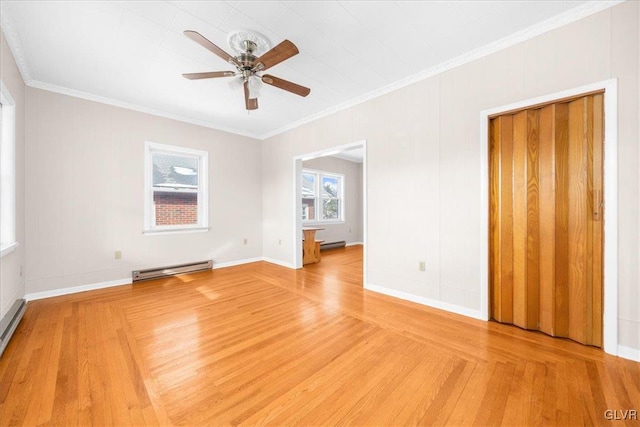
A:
[155,273]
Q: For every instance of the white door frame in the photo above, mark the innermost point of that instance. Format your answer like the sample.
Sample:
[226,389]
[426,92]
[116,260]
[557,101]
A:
[610,306]
[297,197]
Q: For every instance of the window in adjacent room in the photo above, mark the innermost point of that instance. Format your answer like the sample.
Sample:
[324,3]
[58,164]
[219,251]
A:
[309,195]
[7,172]
[176,196]
[322,197]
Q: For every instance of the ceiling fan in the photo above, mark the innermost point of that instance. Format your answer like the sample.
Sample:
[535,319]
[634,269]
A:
[248,65]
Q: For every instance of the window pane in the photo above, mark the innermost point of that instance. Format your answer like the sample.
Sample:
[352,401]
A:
[176,172]
[308,185]
[175,208]
[308,209]
[329,186]
[330,209]
[175,189]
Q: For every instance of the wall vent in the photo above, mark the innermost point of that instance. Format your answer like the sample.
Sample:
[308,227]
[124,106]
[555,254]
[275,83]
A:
[155,273]
[10,321]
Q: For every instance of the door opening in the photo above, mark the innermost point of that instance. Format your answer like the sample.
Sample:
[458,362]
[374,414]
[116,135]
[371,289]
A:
[330,201]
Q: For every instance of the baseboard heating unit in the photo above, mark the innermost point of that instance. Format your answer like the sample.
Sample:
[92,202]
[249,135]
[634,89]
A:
[332,245]
[155,273]
[9,323]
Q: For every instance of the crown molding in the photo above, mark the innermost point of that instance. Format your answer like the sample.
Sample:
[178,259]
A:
[135,107]
[550,24]
[15,45]
[13,40]
[572,15]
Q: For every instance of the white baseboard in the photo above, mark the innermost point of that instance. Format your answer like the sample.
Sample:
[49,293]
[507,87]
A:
[629,353]
[278,262]
[238,262]
[127,281]
[426,301]
[623,351]
[76,289]
[355,243]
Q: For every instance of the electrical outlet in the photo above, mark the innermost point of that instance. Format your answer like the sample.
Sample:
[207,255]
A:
[279,241]
[117,255]
[421,266]
[245,240]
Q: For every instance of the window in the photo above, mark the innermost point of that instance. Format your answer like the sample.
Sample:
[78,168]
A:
[322,196]
[309,195]
[176,196]
[7,172]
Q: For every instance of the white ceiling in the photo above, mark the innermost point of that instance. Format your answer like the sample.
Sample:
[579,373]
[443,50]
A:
[132,53]
[355,155]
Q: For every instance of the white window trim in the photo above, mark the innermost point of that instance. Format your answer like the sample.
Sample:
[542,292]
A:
[319,221]
[8,241]
[203,189]
[7,249]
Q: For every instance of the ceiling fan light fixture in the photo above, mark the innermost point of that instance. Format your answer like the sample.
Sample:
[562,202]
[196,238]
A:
[255,87]
[236,83]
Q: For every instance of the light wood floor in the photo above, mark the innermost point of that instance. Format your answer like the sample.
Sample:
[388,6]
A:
[262,344]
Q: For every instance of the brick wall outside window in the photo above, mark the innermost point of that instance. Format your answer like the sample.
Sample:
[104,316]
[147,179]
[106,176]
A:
[176,208]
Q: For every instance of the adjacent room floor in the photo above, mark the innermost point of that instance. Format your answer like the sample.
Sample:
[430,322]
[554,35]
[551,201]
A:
[259,343]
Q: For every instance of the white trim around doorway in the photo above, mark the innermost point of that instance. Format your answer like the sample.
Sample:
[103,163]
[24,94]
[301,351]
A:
[297,197]
[610,309]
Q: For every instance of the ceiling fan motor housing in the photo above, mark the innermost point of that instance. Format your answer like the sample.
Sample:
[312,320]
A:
[246,60]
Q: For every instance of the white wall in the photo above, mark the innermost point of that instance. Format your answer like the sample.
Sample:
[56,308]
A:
[85,186]
[11,279]
[625,64]
[351,229]
[635,293]
[424,161]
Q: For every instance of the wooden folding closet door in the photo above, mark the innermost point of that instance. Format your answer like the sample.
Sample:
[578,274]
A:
[546,218]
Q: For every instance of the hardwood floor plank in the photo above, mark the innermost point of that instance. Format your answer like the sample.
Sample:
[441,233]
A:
[374,366]
[82,369]
[261,344]
[550,395]
[492,409]
[430,380]
[312,392]
[445,402]
[408,374]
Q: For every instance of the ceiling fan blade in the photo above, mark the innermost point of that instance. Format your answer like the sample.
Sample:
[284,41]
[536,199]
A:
[286,85]
[209,75]
[250,103]
[284,50]
[206,43]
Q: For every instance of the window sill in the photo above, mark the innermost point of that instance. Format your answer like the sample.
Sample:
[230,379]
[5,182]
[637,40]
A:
[175,231]
[6,250]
